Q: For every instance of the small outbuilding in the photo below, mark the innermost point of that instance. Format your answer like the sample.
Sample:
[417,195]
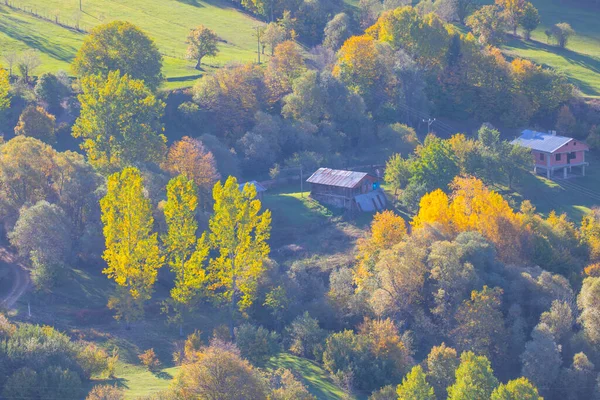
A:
[260,189]
[553,152]
[354,191]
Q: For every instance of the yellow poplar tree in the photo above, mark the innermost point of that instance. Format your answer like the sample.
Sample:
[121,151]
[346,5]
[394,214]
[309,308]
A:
[185,252]
[132,253]
[4,90]
[239,233]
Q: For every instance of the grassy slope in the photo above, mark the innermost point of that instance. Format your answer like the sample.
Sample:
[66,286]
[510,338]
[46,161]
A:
[315,378]
[166,21]
[581,60]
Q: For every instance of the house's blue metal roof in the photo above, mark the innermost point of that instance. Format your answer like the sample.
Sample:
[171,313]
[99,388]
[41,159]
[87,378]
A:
[258,186]
[539,141]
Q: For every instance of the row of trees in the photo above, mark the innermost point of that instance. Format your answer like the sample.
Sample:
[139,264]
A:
[238,234]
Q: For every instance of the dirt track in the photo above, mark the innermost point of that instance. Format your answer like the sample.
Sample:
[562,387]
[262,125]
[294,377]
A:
[18,275]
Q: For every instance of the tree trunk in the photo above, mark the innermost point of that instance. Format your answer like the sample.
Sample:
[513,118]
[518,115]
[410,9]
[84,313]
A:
[198,63]
[181,330]
[232,311]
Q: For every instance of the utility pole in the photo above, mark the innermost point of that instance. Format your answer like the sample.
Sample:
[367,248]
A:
[301,182]
[80,9]
[429,122]
[258,27]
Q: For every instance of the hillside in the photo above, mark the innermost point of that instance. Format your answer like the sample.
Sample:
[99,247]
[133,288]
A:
[166,21]
[581,60]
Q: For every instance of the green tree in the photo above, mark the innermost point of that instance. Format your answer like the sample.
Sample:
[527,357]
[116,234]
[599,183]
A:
[272,35]
[481,324]
[132,253]
[414,386]
[34,121]
[442,363]
[541,359]
[51,90]
[120,46]
[185,252]
[562,32]
[516,162]
[119,122]
[337,31]
[475,379]
[512,10]
[305,337]
[517,389]
[397,172]
[42,235]
[487,23]
[239,233]
[435,165]
[202,42]
[530,19]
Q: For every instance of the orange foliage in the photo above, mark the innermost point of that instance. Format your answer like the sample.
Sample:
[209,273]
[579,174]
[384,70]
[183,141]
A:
[189,157]
[387,229]
[473,207]
[592,270]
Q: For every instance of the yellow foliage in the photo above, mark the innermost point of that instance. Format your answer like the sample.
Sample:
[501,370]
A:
[473,207]
[132,253]
[186,254]
[239,233]
[387,229]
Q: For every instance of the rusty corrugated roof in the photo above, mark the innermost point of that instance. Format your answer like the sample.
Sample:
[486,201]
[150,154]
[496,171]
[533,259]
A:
[336,177]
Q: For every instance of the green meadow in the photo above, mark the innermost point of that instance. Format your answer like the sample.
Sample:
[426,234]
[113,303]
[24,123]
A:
[166,21]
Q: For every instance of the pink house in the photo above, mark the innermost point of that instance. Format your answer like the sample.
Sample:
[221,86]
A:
[553,152]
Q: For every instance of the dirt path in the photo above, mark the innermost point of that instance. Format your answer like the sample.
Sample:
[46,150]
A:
[19,276]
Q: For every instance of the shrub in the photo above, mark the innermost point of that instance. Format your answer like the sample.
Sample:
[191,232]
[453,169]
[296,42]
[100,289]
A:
[256,344]
[105,392]
[22,384]
[305,336]
[149,360]
[93,360]
[58,383]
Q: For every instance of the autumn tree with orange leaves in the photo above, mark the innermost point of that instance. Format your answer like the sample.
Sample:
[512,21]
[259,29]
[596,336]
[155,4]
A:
[189,157]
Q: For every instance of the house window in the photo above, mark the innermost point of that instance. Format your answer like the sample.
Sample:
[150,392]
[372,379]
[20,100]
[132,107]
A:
[558,157]
[541,156]
[574,143]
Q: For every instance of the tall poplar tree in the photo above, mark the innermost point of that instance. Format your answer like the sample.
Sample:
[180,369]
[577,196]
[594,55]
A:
[185,252]
[239,233]
[132,253]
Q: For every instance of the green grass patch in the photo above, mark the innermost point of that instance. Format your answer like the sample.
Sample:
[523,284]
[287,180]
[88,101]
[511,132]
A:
[581,60]
[137,381]
[313,376]
[574,196]
[168,22]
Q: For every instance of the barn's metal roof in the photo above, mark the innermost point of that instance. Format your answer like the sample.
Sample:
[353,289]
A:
[336,177]
[539,141]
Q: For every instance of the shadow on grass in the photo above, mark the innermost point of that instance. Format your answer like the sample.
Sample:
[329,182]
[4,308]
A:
[163,375]
[22,31]
[582,60]
[194,3]
[186,78]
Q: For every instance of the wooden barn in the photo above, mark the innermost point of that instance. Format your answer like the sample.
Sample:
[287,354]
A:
[355,191]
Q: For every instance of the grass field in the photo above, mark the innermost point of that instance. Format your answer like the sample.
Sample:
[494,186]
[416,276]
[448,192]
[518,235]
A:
[166,21]
[314,377]
[581,60]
